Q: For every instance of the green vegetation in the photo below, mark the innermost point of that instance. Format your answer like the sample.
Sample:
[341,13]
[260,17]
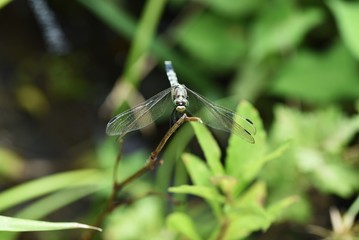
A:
[289,66]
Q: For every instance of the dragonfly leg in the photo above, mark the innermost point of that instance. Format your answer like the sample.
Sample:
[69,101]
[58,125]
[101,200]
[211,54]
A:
[193,119]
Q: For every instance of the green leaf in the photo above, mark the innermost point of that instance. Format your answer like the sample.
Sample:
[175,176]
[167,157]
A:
[201,191]
[143,220]
[23,225]
[183,224]
[201,176]
[45,185]
[352,212]
[305,75]
[123,24]
[336,177]
[210,148]
[245,220]
[346,15]
[279,31]
[343,131]
[204,35]
[328,127]
[197,169]
[46,205]
[143,38]
[242,156]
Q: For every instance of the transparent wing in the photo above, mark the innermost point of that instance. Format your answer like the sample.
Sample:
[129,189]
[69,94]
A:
[141,115]
[219,117]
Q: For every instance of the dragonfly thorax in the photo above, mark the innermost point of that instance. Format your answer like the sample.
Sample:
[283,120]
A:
[179,97]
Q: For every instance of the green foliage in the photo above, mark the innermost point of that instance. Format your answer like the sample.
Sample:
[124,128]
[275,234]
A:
[182,223]
[47,185]
[142,220]
[305,76]
[316,156]
[346,14]
[207,46]
[48,195]
[304,53]
[231,191]
[281,30]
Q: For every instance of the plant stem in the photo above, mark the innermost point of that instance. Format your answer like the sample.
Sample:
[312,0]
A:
[152,162]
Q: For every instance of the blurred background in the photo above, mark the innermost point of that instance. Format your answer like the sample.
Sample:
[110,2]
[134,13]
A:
[66,67]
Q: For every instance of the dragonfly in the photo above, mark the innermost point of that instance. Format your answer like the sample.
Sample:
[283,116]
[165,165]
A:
[180,100]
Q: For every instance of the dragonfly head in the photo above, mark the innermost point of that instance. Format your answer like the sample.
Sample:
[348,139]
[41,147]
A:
[179,97]
[181,104]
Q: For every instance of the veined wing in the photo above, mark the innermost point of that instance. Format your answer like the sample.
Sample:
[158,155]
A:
[141,115]
[219,117]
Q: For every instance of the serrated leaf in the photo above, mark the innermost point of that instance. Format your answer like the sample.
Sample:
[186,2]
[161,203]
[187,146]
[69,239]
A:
[183,224]
[200,191]
[346,15]
[23,225]
[210,148]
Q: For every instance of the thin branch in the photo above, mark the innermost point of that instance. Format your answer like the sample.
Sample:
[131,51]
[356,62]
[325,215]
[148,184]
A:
[152,162]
